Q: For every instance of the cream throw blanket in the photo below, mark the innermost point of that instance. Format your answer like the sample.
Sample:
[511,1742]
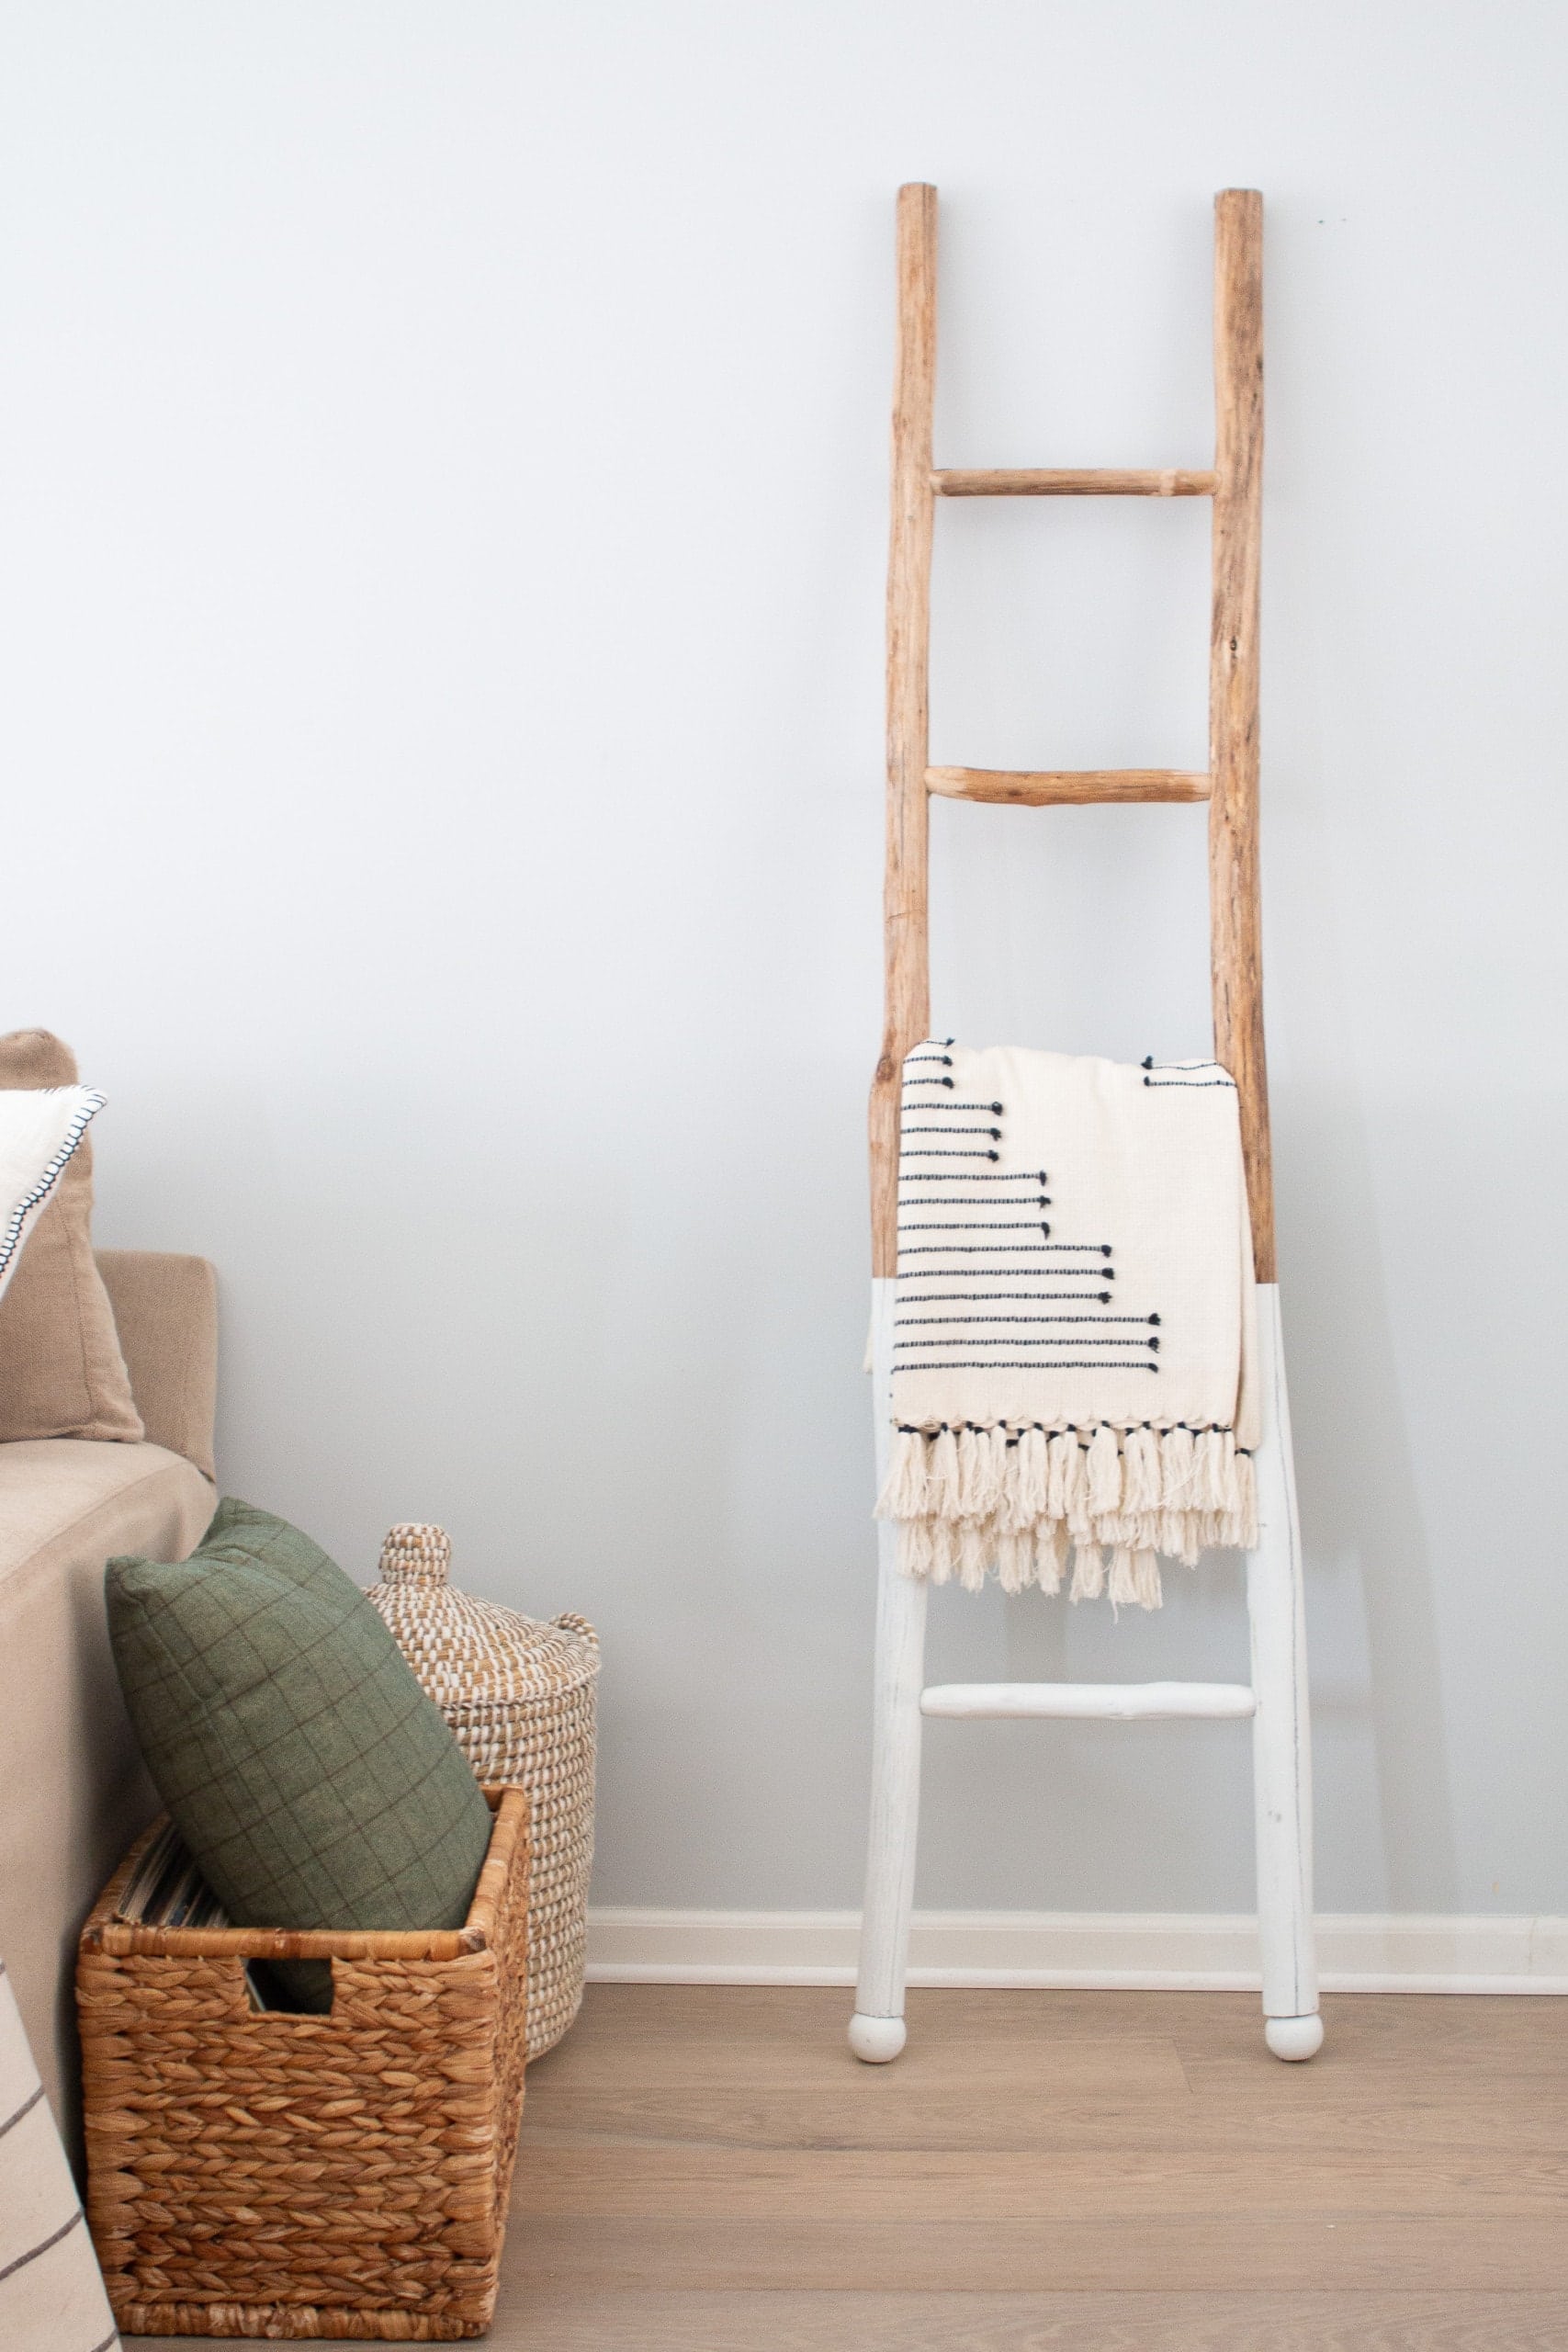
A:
[1074,1327]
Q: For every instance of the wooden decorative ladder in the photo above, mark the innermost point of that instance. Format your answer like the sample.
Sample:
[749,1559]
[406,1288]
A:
[1276,1698]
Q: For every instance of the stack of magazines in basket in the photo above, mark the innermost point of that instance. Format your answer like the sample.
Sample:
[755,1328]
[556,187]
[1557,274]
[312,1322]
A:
[166,1890]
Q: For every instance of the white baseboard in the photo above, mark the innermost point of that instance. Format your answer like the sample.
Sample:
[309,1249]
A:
[1128,1950]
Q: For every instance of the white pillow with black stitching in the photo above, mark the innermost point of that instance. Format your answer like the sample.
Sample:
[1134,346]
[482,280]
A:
[51,2291]
[39,1130]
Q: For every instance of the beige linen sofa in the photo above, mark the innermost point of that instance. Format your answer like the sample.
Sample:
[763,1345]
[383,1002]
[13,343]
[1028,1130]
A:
[73,1790]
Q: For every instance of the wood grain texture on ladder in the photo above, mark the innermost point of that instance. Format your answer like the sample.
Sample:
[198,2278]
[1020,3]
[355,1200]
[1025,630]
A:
[1234,892]
[1069,481]
[1066,788]
[908,656]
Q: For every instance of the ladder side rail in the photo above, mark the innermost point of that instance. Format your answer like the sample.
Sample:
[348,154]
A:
[1281,1731]
[876,2029]
[1236,954]
[1281,1726]
[904,912]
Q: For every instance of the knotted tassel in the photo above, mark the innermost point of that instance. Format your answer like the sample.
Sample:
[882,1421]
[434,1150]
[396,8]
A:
[1121,1585]
[1181,1536]
[1062,1463]
[968,1471]
[1089,1572]
[1050,1555]
[1104,1473]
[974,1555]
[1011,1517]
[1080,1525]
[1145,1579]
[903,1492]
[1074,1478]
[1032,1470]
[990,1471]
[1202,1495]
[944,1549]
[1176,1470]
[941,1476]
[1140,1463]
[1015,1560]
[1139,1530]
[915,1555]
[1214,1481]
[1232,1488]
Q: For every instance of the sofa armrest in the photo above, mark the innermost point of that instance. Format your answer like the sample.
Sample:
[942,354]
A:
[165,1310]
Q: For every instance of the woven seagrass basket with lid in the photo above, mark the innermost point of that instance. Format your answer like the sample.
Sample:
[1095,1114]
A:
[519,1695]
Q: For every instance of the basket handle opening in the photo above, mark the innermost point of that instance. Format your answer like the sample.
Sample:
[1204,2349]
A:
[294,1988]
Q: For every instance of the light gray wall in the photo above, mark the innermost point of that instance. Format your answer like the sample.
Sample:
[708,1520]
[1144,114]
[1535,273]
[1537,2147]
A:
[444,522]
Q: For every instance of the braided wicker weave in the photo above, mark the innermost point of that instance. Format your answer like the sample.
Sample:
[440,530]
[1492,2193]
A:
[256,2173]
[520,1697]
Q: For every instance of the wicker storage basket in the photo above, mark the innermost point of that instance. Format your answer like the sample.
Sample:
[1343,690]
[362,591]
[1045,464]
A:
[256,2173]
[520,1696]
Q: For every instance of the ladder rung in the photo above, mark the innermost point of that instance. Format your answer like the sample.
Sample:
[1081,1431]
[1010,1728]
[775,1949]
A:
[1113,1702]
[1070,481]
[1026,788]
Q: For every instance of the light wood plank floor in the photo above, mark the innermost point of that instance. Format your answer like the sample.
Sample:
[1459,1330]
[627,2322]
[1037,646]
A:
[706,2168]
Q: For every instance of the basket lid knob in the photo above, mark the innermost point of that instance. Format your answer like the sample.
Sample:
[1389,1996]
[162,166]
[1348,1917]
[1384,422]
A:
[415,1554]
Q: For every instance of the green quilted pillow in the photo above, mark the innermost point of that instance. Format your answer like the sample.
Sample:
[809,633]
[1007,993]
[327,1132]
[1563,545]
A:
[314,1782]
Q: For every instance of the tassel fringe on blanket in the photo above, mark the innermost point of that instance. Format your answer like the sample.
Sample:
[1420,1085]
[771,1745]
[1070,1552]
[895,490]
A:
[1026,1500]
[1074,1327]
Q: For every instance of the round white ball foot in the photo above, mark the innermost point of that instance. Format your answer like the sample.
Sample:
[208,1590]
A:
[1294,2038]
[876,2040]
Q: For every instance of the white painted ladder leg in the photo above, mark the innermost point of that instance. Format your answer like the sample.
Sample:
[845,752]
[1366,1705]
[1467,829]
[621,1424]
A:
[876,2029]
[1280,1731]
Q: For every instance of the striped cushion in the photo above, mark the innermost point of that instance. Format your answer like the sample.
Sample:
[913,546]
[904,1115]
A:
[40,1128]
[51,2292]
